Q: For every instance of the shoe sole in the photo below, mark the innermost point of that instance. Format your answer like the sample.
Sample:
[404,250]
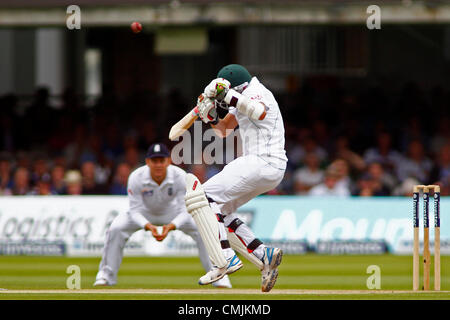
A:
[213,280]
[222,287]
[272,281]
[275,263]
[102,285]
[105,284]
[278,259]
[274,276]
[229,271]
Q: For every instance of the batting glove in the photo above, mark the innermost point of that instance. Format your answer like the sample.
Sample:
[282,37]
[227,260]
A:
[207,109]
[217,89]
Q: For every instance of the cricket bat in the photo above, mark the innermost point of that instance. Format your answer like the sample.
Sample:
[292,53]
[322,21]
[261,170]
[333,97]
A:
[181,126]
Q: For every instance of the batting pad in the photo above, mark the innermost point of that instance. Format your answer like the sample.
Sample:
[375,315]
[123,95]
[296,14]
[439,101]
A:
[237,245]
[208,226]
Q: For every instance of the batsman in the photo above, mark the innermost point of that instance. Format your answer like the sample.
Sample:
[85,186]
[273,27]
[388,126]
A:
[252,107]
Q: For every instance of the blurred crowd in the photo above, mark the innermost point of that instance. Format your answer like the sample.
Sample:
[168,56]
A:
[363,144]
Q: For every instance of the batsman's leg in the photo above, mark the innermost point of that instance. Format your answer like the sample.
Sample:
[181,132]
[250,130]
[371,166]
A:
[191,230]
[234,262]
[266,259]
[208,227]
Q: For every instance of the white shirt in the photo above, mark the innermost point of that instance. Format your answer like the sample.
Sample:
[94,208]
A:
[408,168]
[157,204]
[265,137]
[323,190]
[309,178]
[391,159]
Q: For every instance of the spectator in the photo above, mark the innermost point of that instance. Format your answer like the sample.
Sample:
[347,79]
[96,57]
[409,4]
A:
[309,176]
[23,160]
[412,131]
[310,145]
[73,150]
[302,145]
[342,151]
[112,145]
[21,185]
[57,180]
[384,180]
[343,173]
[416,165]
[440,173]
[73,181]
[442,136]
[132,158]
[330,187]
[365,186]
[90,185]
[406,187]
[6,181]
[73,134]
[383,153]
[369,186]
[91,150]
[7,132]
[441,169]
[274,192]
[40,168]
[319,131]
[103,171]
[59,160]
[119,186]
[43,186]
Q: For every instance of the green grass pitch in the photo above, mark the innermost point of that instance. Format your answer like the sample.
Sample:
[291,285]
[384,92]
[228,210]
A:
[301,277]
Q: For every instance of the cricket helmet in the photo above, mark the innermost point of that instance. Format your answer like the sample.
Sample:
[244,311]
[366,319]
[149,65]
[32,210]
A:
[235,73]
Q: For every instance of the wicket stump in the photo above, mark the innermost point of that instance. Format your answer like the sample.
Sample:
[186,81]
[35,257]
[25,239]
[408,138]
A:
[426,237]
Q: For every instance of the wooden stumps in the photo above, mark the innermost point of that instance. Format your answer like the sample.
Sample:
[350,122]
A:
[426,237]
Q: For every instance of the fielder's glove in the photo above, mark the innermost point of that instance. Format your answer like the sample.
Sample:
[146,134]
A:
[206,109]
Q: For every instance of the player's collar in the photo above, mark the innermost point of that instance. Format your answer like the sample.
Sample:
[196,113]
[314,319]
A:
[169,176]
[240,88]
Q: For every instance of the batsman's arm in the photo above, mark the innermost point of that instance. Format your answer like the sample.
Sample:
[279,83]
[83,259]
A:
[225,126]
[255,110]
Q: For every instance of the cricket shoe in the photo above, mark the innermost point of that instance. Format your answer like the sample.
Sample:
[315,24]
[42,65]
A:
[234,264]
[215,274]
[269,274]
[102,282]
[223,283]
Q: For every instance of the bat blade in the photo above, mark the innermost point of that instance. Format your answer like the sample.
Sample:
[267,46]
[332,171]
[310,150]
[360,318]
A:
[181,126]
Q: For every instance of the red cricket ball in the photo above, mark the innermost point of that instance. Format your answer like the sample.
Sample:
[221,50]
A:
[136,27]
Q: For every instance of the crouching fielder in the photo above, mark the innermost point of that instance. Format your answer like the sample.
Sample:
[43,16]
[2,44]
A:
[260,169]
[156,193]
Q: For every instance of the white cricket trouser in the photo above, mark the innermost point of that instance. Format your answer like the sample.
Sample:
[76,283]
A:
[118,234]
[242,180]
